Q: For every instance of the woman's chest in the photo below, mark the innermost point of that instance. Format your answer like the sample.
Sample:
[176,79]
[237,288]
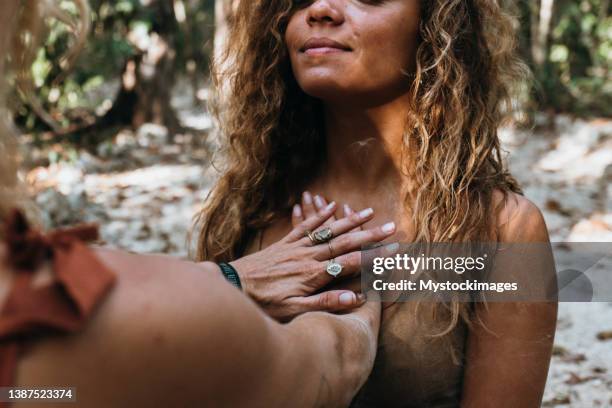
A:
[416,364]
[383,213]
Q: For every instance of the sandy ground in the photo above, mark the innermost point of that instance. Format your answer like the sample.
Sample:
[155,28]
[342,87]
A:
[144,193]
[567,173]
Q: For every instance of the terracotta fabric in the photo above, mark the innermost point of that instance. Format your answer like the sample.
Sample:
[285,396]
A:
[80,282]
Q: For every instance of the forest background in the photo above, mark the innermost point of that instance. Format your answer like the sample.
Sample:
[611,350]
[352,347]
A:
[120,135]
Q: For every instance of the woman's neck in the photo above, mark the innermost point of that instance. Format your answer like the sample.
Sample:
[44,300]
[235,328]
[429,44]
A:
[364,144]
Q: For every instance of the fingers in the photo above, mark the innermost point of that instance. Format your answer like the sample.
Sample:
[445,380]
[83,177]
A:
[369,314]
[311,223]
[349,277]
[351,264]
[353,285]
[349,211]
[297,215]
[320,204]
[356,240]
[352,241]
[308,206]
[351,267]
[338,228]
[331,301]
[311,205]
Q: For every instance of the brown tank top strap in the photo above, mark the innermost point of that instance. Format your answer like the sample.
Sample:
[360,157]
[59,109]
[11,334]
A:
[79,283]
[260,236]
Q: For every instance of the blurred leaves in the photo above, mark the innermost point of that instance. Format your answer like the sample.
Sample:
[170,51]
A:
[569,48]
[575,75]
[91,86]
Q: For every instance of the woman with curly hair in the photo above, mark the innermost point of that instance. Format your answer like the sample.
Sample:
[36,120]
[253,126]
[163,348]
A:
[394,105]
[129,330]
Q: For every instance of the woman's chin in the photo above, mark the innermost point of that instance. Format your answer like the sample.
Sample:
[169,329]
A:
[326,89]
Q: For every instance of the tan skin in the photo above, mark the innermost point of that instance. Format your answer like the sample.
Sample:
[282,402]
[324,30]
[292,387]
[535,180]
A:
[142,340]
[291,265]
[175,333]
[284,277]
[364,90]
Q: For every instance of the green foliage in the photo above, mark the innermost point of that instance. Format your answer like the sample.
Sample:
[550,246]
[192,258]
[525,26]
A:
[576,76]
[95,79]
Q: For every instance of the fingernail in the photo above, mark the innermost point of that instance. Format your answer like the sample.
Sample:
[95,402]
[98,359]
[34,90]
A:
[347,209]
[366,213]
[330,206]
[392,247]
[388,227]
[297,210]
[347,298]
[361,297]
[318,201]
[307,198]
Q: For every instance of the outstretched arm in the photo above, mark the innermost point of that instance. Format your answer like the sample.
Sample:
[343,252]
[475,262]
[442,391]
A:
[171,334]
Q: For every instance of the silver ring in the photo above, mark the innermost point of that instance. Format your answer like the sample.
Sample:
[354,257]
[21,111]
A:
[323,235]
[334,268]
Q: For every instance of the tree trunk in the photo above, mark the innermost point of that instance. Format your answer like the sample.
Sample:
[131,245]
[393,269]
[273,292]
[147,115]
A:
[148,78]
[541,31]
[224,13]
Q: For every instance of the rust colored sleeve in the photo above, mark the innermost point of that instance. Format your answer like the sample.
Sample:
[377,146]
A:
[79,284]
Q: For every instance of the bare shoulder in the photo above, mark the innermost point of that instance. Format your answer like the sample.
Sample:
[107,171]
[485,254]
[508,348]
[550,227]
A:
[518,219]
[164,323]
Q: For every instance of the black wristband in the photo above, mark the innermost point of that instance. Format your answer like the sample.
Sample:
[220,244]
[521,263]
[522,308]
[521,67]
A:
[230,274]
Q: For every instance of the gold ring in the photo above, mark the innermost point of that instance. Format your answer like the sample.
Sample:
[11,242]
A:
[331,250]
[311,237]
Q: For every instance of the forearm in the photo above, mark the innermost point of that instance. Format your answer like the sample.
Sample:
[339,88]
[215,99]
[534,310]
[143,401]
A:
[182,325]
[333,354]
[318,359]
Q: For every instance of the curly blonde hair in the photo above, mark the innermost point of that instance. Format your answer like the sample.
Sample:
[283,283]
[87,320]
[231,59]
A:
[467,65]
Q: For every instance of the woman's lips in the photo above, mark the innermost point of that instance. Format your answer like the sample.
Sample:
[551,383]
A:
[322,46]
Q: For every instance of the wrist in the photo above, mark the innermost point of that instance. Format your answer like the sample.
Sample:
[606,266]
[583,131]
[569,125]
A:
[241,271]
[217,269]
[231,274]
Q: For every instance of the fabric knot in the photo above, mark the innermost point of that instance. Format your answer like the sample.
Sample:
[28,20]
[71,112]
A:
[80,282]
[28,248]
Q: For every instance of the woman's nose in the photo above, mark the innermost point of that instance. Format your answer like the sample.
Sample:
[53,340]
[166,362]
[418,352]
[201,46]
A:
[325,12]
